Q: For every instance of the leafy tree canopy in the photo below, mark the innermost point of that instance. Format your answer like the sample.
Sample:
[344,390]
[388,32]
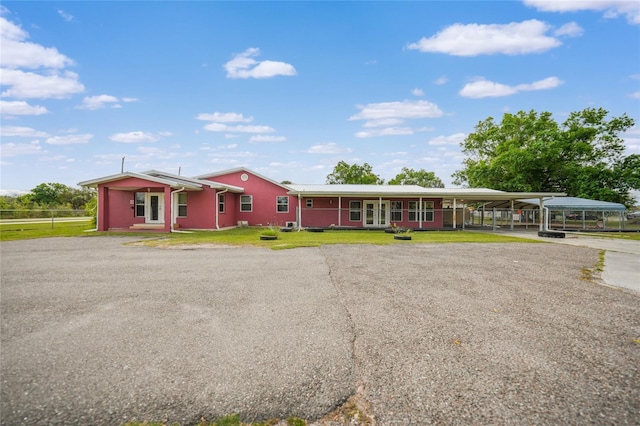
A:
[417,177]
[49,195]
[354,174]
[583,156]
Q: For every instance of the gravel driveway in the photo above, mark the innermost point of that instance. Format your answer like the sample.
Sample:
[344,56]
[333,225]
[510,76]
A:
[94,332]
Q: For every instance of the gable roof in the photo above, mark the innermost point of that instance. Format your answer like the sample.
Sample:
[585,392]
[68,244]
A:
[241,169]
[163,178]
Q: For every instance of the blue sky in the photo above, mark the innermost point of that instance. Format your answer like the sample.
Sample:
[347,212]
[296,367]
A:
[288,89]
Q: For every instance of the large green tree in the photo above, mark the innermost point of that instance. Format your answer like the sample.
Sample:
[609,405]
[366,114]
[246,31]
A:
[583,156]
[417,177]
[353,173]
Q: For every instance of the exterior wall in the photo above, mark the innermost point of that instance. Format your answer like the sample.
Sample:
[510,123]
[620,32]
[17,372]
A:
[326,212]
[201,210]
[264,195]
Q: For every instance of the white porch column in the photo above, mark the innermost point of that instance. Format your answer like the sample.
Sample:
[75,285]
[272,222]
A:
[541,221]
[420,212]
[339,210]
[455,216]
[512,214]
[299,211]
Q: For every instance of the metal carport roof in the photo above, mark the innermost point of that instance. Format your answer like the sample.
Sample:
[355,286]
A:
[560,203]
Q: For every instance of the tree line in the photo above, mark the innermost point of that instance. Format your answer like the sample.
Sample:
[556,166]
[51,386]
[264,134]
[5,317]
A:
[584,156]
[49,196]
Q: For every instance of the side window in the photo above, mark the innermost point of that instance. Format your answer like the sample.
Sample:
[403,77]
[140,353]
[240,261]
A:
[282,204]
[221,203]
[309,203]
[139,204]
[182,204]
[355,211]
[246,203]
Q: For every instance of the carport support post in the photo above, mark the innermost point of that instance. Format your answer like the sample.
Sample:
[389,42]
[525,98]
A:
[493,219]
[512,214]
[464,213]
[339,210]
[541,214]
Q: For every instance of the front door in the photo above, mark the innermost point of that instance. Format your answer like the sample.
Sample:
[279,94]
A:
[154,207]
[376,213]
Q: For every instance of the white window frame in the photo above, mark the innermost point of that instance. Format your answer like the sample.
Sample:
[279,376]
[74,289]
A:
[426,211]
[309,203]
[140,203]
[357,210]
[181,205]
[244,203]
[221,203]
[282,201]
[394,209]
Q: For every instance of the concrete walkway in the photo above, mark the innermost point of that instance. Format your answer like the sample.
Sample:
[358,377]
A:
[622,257]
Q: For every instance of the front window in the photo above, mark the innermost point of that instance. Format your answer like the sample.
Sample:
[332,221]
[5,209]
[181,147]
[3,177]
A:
[246,203]
[396,211]
[282,204]
[427,211]
[355,211]
[140,204]
[182,204]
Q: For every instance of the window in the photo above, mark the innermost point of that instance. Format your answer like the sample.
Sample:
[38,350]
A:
[182,204]
[282,204]
[309,202]
[427,211]
[396,211]
[246,203]
[221,203]
[140,204]
[355,211]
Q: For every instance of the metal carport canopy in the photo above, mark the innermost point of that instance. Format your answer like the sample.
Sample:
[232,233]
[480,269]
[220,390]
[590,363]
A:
[561,203]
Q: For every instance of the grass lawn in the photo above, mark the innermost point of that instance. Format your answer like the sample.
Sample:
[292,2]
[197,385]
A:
[251,236]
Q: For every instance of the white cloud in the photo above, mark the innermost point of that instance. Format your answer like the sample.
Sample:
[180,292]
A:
[515,38]
[389,131]
[219,127]
[15,149]
[69,139]
[612,8]
[224,117]
[384,122]
[66,16]
[99,102]
[24,132]
[483,88]
[21,108]
[134,137]
[244,66]
[570,30]
[263,138]
[417,92]
[405,109]
[18,53]
[328,148]
[634,95]
[24,85]
[453,140]
[441,80]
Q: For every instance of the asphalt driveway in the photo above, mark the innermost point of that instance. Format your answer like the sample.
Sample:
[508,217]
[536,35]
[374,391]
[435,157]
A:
[96,332]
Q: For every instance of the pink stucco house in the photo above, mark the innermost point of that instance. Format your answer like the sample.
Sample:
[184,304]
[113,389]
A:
[162,201]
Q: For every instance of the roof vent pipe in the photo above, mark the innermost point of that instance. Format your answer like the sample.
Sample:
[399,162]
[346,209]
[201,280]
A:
[122,165]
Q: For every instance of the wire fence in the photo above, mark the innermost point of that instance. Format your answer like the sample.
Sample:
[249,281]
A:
[52,216]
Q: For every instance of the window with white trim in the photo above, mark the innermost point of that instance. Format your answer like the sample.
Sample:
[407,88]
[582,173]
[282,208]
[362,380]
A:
[221,203]
[396,211]
[246,203]
[427,211]
[309,203]
[355,211]
[182,204]
[140,198]
[282,204]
